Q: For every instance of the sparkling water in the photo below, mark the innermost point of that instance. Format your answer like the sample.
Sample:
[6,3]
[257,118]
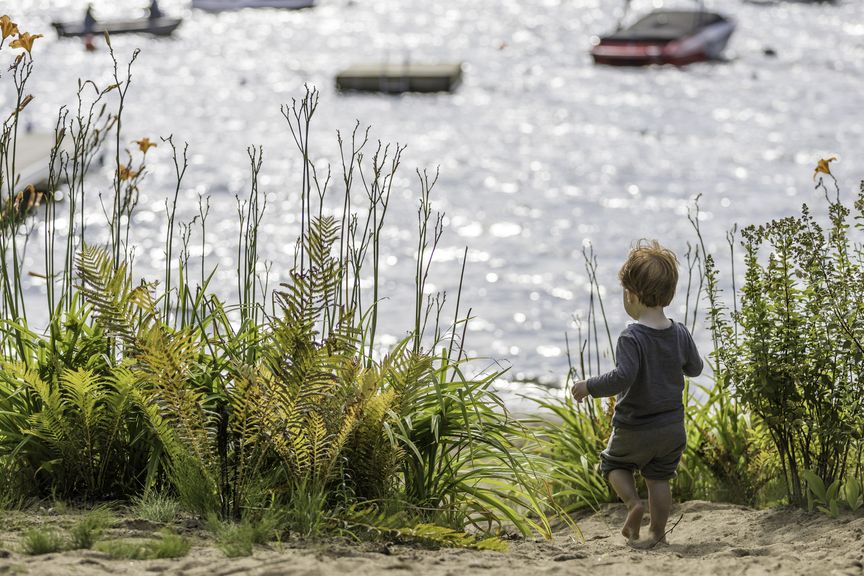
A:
[541,152]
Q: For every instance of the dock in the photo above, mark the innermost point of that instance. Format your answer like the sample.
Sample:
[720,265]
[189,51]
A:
[33,154]
[399,78]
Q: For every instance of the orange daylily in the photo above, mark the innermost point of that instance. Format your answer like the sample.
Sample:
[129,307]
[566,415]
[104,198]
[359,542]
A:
[25,40]
[126,173]
[822,166]
[145,144]
[7,27]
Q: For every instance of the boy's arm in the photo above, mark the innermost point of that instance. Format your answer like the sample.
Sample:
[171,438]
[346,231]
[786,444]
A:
[622,376]
[693,366]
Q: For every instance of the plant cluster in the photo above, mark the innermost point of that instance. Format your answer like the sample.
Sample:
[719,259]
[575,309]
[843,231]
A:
[281,402]
[792,354]
[281,412]
[785,413]
[83,534]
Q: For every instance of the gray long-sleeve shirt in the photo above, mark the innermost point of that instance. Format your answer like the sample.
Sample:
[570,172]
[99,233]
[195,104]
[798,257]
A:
[649,376]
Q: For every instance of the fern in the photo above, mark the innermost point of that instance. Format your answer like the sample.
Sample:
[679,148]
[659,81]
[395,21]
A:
[374,457]
[118,306]
[404,527]
[77,435]
[166,362]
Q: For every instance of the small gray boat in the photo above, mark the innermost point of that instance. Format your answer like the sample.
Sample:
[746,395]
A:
[223,5]
[163,26]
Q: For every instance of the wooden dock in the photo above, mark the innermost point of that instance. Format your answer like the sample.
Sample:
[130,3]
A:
[33,154]
[398,78]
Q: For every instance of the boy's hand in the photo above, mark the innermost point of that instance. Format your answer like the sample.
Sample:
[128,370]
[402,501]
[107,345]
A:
[580,390]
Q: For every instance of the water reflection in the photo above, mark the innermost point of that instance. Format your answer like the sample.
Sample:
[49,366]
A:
[539,150]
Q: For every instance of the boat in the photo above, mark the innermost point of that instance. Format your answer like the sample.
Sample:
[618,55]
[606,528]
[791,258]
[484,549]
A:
[163,26]
[675,37]
[224,5]
[399,78]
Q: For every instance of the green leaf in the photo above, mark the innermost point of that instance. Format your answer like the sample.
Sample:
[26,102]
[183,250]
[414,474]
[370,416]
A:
[852,489]
[815,485]
[833,491]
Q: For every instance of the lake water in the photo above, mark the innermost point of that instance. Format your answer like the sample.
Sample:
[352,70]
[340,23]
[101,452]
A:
[540,151]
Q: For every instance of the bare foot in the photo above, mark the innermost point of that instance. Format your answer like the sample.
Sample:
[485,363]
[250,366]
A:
[652,541]
[634,521]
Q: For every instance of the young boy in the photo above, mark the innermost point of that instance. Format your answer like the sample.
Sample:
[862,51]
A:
[652,357]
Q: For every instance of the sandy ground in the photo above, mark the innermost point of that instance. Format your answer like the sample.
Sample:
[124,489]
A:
[710,539]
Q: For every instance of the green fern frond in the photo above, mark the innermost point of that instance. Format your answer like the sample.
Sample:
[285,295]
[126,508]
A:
[117,306]
[442,536]
[165,363]
[402,526]
[318,440]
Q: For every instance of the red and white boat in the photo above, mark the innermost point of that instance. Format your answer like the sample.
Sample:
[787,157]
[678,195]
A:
[675,37]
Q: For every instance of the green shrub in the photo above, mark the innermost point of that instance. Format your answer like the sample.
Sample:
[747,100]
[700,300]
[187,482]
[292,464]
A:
[168,545]
[85,532]
[156,506]
[78,436]
[239,538]
[36,541]
[792,353]
[727,457]
[571,436]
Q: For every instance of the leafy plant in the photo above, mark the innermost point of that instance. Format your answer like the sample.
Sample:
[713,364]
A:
[75,435]
[831,498]
[726,457]
[85,532]
[369,521]
[239,538]
[853,493]
[156,506]
[167,545]
[285,399]
[572,436]
[37,541]
[792,352]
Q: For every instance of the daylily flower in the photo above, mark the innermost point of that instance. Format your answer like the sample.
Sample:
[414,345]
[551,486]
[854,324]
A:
[25,40]
[822,166]
[7,27]
[145,144]
[126,173]
[17,61]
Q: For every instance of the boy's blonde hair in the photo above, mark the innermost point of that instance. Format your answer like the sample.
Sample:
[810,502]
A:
[651,273]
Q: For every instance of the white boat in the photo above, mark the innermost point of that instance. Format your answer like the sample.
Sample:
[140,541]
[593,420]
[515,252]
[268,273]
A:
[224,5]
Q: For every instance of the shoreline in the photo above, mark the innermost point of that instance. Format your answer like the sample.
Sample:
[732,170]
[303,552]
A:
[712,538]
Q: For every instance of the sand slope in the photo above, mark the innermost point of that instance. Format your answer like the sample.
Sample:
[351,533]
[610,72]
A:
[710,539]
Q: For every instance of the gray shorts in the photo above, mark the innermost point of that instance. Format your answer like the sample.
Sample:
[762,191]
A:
[655,452]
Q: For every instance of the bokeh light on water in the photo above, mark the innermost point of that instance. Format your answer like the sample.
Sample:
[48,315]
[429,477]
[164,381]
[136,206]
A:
[540,152]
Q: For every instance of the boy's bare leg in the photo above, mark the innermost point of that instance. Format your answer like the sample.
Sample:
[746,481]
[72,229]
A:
[624,484]
[659,505]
